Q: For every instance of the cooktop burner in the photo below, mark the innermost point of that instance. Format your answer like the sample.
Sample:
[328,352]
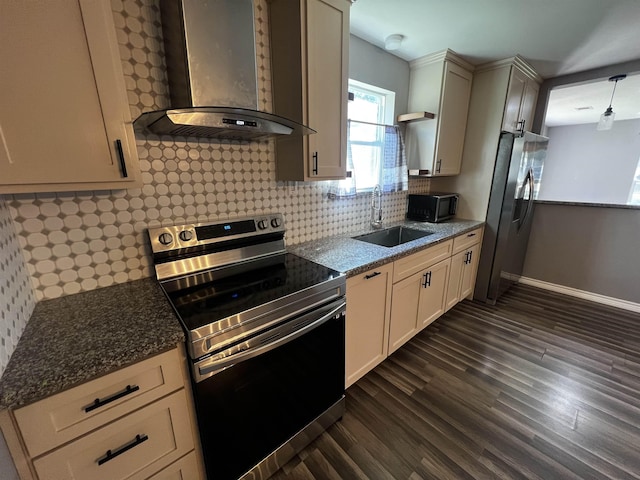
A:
[207,301]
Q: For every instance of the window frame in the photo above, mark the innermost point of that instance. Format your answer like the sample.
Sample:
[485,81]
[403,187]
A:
[385,118]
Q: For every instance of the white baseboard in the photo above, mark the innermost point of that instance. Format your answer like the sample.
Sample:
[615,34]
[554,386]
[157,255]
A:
[574,292]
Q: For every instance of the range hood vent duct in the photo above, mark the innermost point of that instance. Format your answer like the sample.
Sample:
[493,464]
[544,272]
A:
[211,68]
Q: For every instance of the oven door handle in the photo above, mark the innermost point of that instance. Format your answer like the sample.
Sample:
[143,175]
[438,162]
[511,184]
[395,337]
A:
[211,366]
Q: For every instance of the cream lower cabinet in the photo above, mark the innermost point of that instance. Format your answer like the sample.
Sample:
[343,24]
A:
[417,302]
[464,266]
[136,423]
[65,122]
[388,305]
[419,290]
[367,325]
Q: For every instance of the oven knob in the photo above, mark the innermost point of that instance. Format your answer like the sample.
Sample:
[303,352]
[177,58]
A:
[262,224]
[165,238]
[275,222]
[186,235]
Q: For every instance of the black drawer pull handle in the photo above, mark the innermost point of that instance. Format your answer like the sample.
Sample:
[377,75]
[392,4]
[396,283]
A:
[97,403]
[471,235]
[123,165]
[110,455]
[374,274]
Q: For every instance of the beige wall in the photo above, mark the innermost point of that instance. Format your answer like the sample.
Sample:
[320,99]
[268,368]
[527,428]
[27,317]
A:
[595,249]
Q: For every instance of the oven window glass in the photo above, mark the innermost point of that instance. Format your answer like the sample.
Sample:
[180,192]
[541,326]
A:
[248,410]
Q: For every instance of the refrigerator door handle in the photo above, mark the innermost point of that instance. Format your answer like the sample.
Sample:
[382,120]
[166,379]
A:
[528,208]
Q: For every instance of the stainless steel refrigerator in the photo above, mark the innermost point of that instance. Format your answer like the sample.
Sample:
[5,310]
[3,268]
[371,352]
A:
[516,179]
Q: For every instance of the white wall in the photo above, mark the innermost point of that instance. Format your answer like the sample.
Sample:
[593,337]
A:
[586,165]
[372,65]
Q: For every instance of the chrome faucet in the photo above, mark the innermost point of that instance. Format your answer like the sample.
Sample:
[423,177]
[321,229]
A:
[376,207]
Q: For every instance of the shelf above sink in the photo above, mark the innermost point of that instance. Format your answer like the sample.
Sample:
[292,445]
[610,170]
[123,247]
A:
[392,237]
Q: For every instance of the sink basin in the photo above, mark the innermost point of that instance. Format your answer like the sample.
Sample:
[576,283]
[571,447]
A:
[394,236]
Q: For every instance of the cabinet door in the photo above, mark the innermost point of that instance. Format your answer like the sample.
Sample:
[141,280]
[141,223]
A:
[327,69]
[470,267]
[132,447]
[367,324]
[455,277]
[528,104]
[515,93]
[452,123]
[433,293]
[404,311]
[186,468]
[64,117]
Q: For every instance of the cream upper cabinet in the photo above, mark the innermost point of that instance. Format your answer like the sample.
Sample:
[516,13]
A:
[367,325]
[521,101]
[503,93]
[65,122]
[439,84]
[310,63]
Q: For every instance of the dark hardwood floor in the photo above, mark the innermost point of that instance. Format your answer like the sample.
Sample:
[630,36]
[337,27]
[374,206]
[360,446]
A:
[541,386]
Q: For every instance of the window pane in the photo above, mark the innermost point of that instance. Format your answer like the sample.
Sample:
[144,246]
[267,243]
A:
[366,162]
[360,132]
[366,107]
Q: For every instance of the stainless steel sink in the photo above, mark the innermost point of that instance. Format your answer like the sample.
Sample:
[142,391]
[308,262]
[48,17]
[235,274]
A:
[391,237]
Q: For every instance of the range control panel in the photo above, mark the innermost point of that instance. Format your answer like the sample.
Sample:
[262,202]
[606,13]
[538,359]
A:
[176,237]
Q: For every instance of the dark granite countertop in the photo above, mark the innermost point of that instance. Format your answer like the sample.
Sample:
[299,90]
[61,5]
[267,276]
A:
[352,257]
[73,339]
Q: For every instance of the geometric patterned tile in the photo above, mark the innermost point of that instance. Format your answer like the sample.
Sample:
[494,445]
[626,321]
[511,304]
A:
[80,241]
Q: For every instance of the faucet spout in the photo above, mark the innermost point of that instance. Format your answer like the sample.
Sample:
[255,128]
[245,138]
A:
[376,207]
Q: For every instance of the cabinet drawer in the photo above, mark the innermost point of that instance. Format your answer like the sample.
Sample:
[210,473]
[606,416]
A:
[464,241]
[186,468]
[414,263]
[132,447]
[63,417]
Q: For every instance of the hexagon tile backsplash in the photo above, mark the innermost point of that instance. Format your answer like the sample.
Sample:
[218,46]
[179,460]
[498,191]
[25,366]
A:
[79,241]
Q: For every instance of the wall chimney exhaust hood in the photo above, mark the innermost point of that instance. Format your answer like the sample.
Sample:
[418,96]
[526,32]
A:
[211,68]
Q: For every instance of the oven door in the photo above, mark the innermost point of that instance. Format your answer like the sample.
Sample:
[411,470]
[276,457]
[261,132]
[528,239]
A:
[254,397]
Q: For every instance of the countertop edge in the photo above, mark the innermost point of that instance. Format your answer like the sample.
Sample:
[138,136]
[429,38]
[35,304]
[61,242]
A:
[588,204]
[361,256]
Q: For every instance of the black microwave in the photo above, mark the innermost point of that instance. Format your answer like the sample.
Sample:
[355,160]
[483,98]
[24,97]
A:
[434,207]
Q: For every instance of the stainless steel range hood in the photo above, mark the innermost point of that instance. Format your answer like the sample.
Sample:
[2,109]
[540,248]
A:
[211,68]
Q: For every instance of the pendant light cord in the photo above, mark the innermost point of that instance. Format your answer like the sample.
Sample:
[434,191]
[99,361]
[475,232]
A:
[613,93]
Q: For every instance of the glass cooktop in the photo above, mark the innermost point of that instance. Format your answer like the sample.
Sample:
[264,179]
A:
[209,297]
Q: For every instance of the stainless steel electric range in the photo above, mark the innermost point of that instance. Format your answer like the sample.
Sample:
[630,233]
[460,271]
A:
[265,337]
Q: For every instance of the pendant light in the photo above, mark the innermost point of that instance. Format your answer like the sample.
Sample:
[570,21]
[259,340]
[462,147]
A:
[606,119]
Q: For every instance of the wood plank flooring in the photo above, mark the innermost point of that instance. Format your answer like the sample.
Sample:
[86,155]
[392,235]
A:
[541,386]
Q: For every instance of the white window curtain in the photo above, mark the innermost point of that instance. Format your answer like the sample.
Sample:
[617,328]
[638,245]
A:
[393,174]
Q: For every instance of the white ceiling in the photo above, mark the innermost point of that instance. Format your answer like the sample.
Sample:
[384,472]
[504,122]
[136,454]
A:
[568,105]
[557,37]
